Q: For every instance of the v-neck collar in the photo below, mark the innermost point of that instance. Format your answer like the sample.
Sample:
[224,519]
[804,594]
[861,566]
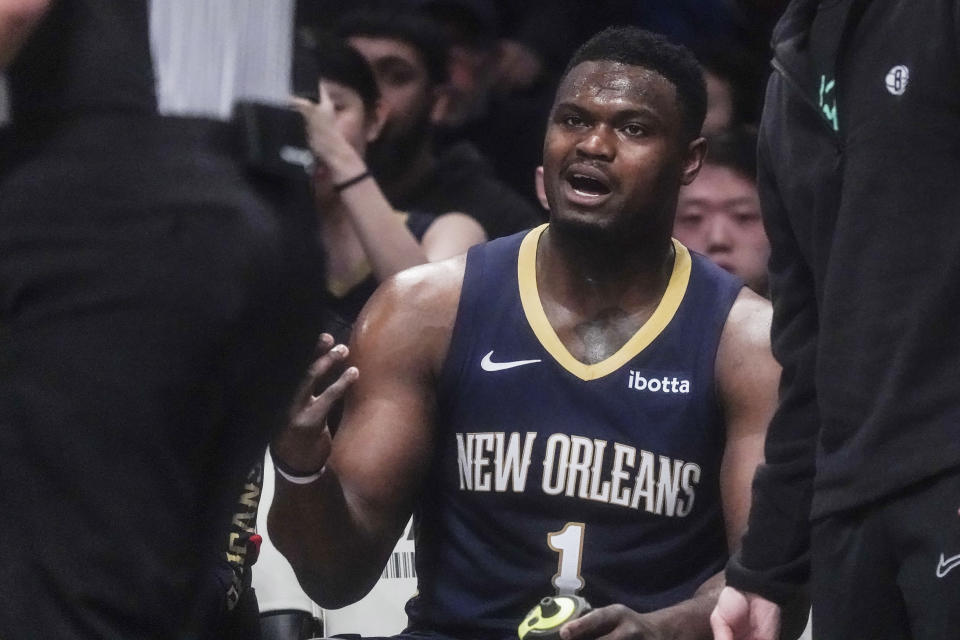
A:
[545,333]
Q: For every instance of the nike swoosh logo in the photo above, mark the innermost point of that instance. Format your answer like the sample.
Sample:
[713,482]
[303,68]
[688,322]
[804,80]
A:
[489,365]
[946,564]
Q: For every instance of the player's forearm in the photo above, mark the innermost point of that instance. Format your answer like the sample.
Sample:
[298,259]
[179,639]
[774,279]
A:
[18,18]
[336,556]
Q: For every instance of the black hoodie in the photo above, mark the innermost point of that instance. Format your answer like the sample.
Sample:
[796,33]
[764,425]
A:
[860,186]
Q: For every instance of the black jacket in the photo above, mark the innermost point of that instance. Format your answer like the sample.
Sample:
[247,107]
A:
[864,223]
[463,181]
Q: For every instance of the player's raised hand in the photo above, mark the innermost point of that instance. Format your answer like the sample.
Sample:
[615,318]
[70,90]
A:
[304,445]
[744,616]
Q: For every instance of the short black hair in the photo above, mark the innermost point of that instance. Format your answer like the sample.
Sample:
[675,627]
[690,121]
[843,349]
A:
[413,29]
[734,149]
[641,48]
[338,62]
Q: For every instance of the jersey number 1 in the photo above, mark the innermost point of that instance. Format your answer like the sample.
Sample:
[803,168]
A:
[569,543]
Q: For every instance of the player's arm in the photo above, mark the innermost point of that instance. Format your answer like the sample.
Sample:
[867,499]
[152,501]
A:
[747,377]
[18,18]
[338,531]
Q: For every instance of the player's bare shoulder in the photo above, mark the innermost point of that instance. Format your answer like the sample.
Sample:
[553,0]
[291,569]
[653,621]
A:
[748,323]
[745,363]
[414,311]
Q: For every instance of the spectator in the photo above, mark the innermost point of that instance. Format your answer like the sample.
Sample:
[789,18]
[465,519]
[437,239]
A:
[366,241]
[503,121]
[408,56]
[470,28]
[718,214]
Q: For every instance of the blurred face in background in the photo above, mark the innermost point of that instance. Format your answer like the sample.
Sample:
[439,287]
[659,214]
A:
[718,215]
[406,91]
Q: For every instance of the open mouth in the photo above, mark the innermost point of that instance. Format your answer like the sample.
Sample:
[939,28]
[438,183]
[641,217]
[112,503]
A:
[587,185]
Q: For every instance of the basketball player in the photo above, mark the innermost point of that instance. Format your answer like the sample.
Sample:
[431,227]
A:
[154,308]
[577,408]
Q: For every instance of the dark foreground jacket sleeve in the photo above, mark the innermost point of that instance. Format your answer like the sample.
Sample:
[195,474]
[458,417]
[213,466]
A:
[773,561]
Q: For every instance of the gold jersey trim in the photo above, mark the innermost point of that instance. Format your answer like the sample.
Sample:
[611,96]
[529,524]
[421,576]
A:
[653,327]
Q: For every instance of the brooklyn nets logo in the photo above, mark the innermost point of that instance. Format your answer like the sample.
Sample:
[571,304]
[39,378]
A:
[897,79]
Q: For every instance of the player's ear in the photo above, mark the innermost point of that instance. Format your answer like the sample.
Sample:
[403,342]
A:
[695,153]
[539,187]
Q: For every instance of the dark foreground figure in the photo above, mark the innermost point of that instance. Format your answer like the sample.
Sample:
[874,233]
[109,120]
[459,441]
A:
[155,315]
[859,496]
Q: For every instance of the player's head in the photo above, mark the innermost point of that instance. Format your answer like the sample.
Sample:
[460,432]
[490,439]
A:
[408,55]
[639,48]
[351,87]
[718,214]
[623,135]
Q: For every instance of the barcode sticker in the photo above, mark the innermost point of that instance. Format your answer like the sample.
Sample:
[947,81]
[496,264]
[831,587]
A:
[400,565]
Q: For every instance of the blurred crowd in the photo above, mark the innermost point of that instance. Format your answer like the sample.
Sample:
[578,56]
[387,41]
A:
[503,60]
[465,87]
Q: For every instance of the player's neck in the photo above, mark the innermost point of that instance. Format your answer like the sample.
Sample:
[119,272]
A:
[590,273]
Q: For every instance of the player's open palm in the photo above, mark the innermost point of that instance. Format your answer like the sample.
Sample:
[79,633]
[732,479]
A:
[744,616]
[304,444]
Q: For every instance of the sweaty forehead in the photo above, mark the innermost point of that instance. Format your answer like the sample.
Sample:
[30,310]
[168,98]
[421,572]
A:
[606,80]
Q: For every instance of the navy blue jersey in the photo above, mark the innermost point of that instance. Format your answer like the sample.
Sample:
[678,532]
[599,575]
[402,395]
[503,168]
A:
[553,475]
